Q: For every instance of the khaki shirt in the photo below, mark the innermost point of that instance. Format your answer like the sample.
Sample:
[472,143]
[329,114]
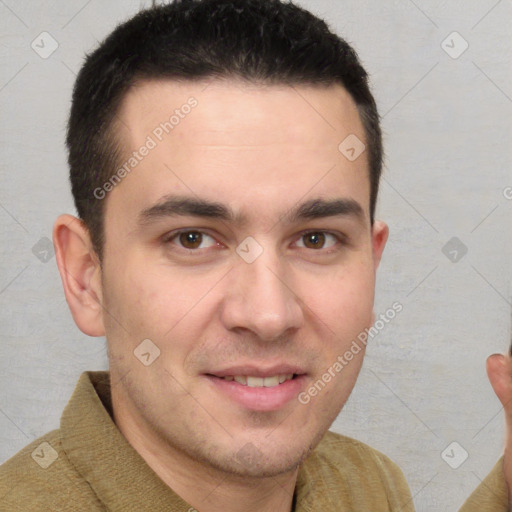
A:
[87,465]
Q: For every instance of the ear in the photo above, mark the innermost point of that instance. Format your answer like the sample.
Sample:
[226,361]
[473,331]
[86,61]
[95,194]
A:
[80,272]
[380,233]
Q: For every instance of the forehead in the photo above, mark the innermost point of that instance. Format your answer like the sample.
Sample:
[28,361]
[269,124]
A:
[246,143]
[244,113]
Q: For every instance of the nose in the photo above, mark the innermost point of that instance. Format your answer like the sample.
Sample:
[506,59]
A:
[261,297]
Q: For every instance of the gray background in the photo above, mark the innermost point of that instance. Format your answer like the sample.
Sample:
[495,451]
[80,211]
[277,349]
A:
[448,142]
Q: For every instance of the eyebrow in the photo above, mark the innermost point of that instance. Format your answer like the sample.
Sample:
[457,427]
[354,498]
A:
[175,206]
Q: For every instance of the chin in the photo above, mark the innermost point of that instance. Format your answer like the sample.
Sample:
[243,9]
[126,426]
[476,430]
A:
[267,462]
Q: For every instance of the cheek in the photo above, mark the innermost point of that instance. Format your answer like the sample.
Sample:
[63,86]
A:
[137,299]
[154,305]
[343,301]
[159,305]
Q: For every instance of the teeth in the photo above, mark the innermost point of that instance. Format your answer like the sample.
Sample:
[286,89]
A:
[255,382]
[260,382]
[270,382]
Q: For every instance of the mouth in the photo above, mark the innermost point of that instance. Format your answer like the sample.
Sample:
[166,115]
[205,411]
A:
[259,390]
[258,382]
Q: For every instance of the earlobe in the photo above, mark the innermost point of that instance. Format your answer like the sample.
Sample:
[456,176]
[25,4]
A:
[380,233]
[80,273]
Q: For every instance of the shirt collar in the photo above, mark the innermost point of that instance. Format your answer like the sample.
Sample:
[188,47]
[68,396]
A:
[100,453]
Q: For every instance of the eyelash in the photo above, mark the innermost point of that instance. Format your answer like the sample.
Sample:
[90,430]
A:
[340,238]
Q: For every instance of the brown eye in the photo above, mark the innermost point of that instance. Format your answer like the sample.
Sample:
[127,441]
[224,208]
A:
[191,239]
[319,240]
[194,241]
[314,240]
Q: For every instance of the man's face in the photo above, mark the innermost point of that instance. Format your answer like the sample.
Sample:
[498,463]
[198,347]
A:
[237,305]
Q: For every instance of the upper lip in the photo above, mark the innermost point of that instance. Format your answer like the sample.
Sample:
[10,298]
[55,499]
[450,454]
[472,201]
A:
[258,371]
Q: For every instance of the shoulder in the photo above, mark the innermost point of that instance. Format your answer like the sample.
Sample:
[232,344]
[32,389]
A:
[359,474]
[40,477]
[491,494]
[338,449]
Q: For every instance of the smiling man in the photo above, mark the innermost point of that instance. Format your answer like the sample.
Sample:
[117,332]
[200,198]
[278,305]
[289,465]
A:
[239,334]
[225,159]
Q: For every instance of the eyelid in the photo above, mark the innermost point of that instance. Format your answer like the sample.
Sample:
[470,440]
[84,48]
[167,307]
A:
[340,237]
[167,238]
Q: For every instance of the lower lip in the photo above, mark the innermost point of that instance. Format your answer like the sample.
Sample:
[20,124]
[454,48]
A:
[260,399]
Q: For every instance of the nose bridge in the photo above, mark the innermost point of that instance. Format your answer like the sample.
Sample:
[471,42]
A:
[261,297]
